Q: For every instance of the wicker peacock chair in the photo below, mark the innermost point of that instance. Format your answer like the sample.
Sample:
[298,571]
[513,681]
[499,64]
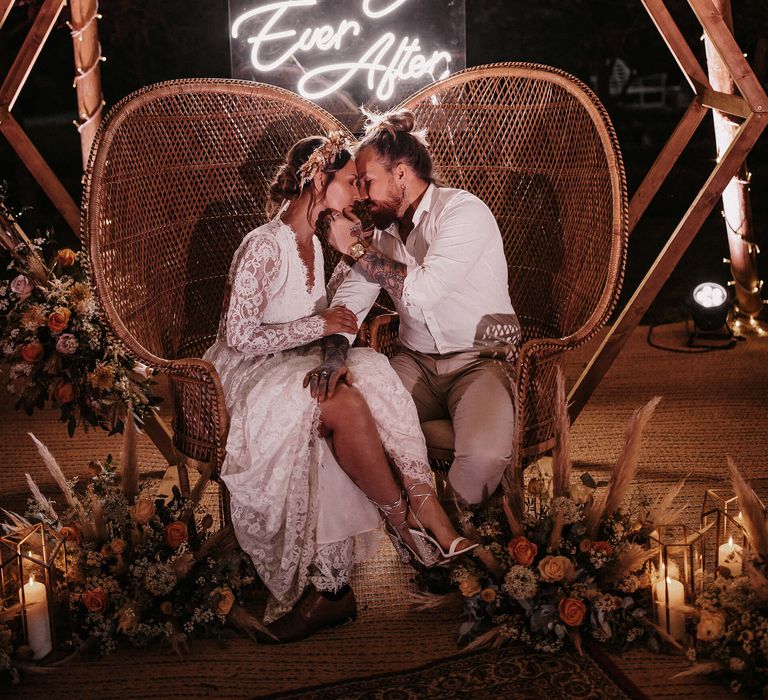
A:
[178,176]
[538,147]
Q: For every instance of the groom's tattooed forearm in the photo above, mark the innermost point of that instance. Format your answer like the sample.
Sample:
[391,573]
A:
[387,272]
[335,347]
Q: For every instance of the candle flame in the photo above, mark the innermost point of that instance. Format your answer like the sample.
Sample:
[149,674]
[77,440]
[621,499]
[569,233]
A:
[669,581]
[730,541]
[31,579]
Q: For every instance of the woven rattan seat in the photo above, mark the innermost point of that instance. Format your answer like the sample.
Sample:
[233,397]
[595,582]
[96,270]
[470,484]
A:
[178,176]
[538,147]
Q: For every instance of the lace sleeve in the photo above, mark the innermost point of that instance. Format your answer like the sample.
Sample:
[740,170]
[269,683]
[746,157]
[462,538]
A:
[253,276]
[339,274]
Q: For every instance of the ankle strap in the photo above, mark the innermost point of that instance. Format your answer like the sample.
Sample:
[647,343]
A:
[390,508]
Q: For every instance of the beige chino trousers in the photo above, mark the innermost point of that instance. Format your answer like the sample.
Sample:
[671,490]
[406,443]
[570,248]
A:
[475,393]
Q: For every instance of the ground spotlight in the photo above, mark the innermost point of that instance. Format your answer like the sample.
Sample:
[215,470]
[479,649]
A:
[708,308]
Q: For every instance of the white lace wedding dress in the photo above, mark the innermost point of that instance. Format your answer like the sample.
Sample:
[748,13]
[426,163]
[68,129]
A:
[295,512]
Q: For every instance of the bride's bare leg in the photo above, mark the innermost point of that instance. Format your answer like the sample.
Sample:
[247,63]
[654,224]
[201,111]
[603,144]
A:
[431,515]
[359,451]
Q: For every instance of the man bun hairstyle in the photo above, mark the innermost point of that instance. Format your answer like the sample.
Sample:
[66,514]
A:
[395,138]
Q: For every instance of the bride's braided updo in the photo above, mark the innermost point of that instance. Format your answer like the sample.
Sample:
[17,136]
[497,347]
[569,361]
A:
[289,183]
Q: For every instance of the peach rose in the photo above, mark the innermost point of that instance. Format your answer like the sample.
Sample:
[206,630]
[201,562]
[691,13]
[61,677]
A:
[142,511]
[604,547]
[65,393]
[223,600]
[118,546]
[585,546]
[711,625]
[175,534]
[488,595]
[95,600]
[32,352]
[71,534]
[182,565]
[166,607]
[523,551]
[470,586]
[106,551]
[556,568]
[66,257]
[58,319]
[571,611]
[22,286]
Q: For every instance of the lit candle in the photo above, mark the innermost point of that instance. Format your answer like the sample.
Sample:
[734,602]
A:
[676,625]
[35,602]
[729,556]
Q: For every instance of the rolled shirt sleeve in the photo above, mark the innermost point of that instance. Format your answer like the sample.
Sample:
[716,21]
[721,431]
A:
[357,292]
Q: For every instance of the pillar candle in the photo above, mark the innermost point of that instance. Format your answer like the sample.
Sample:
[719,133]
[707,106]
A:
[676,600]
[35,602]
[729,556]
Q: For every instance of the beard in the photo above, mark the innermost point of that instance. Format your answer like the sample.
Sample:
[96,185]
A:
[384,212]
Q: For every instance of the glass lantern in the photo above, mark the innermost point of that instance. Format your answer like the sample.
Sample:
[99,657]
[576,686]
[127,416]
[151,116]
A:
[678,575]
[33,571]
[724,533]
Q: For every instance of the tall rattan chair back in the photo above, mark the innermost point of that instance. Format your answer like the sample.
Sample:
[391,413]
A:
[538,147]
[178,176]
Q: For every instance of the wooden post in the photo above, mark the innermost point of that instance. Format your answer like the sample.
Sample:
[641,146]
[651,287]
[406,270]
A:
[737,210]
[90,101]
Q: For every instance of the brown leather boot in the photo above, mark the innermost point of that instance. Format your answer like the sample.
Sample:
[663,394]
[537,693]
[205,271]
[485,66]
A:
[313,612]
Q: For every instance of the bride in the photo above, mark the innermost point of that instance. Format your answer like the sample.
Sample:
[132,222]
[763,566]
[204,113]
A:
[318,448]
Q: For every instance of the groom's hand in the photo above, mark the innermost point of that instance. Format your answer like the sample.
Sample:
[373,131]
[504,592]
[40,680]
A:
[324,378]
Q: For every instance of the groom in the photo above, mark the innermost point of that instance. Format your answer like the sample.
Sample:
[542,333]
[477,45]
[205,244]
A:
[439,254]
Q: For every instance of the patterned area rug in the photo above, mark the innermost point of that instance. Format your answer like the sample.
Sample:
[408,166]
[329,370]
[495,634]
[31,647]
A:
[511,673]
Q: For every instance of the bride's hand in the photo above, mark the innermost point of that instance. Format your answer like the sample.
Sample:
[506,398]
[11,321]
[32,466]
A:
[339,319]
[344,230]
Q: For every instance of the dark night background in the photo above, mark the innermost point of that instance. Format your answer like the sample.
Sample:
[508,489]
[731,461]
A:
[147,41]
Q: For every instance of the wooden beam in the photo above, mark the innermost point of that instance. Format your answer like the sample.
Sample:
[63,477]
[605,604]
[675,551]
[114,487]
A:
[160,434]
[29,51]
[41,171]
[722,39]
[665,161]
[722,101]
[5,10]
[677,44]
[667,260]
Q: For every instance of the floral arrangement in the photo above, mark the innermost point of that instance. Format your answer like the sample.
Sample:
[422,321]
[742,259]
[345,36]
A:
[143,568]
[732,629]
[324,155]
[54,341]
[560,561]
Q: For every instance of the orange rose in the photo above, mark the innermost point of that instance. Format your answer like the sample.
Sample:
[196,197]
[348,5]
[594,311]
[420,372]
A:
[523,551]
[58,319]
[65,393]
[571,611]
[32,352]
[71,534]
[585,546]
[488,595]
[106,551]
[95,600]
[66,257]
[470,586]
[166,607]
[118,546]
[223,600]
[602,547]
[175,534]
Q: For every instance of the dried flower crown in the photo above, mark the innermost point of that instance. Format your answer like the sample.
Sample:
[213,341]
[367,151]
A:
[323,156]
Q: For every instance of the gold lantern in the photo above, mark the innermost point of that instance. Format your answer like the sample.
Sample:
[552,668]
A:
[33,571]
[678,576]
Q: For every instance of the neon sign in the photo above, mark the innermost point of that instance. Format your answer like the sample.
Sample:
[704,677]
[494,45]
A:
[370,52]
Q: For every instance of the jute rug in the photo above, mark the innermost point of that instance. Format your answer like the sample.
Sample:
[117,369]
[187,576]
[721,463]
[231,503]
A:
[714,404]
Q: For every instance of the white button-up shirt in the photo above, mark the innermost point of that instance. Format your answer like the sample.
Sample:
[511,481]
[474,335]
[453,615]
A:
[455,295]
